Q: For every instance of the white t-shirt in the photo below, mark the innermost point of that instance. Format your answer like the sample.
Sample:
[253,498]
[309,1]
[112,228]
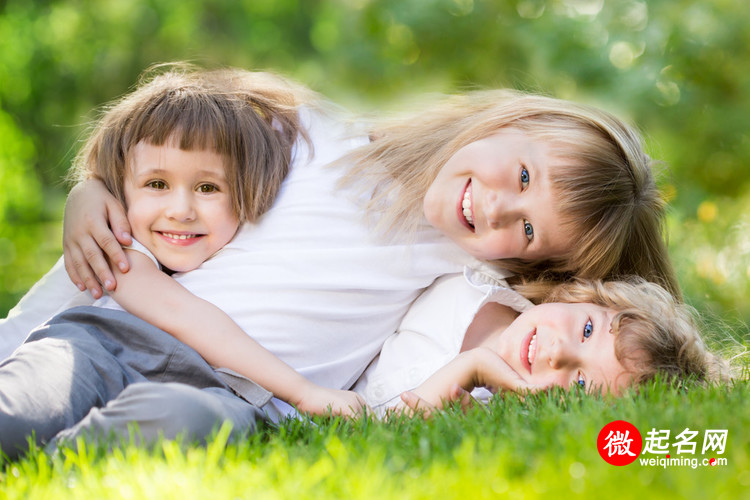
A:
[431,335]
[309,281]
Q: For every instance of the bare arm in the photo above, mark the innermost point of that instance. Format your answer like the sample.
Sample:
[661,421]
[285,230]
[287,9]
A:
[160,300]
[480,367]
[90,212]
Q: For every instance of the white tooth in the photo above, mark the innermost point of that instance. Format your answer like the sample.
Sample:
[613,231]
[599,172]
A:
[532,348]
[466,205]
[179,236]
[467,215]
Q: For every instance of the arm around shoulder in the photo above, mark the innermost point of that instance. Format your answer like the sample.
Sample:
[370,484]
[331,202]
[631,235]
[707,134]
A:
[158,299]
[90,212]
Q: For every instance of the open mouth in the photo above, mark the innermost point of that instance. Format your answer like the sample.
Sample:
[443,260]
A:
[528,350]
[180,239]
[180,236]
[532,349]
[466,210]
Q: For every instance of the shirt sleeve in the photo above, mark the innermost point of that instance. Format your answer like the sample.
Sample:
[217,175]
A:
[138,247]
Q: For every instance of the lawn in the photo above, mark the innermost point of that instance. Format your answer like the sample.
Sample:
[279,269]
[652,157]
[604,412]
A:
[543,446]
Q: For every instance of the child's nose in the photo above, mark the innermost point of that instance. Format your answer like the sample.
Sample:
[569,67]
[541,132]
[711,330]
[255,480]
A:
[500,209]
[181,207]
[561,354]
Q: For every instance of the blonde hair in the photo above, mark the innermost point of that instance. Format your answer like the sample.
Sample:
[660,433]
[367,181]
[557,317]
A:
[606,191]
[247,117]
[654,334]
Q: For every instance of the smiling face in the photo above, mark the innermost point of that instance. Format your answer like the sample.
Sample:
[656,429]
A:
[179,206]
[564,344]
[493,198]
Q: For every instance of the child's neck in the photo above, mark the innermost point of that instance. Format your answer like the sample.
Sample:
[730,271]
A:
[491,321]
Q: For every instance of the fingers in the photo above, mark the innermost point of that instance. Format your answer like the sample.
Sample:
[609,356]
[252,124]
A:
[463,396]
[80,273]
[497,375]
[359,407]
[104,241]
[87,266]
[88,242]
[120,227]
[352,405]
[417,405]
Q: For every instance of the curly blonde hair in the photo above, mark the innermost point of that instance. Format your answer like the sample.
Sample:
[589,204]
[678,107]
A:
[654,333]
[250,118]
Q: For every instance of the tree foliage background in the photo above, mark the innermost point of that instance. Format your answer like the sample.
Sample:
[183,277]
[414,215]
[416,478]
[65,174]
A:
[678,69]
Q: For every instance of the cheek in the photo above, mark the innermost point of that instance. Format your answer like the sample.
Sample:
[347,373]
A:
[228,230]
[552,379]
[429,206]
[498,245]
[222,221]
[139,217]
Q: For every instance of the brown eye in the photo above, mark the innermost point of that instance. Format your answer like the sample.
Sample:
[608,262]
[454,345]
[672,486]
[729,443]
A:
[157,185]
[207,188]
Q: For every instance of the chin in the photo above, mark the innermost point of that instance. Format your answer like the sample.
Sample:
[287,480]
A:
[178,267]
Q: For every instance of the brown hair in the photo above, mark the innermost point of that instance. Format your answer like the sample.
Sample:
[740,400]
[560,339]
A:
[654,334]
[249,118]
[607,193]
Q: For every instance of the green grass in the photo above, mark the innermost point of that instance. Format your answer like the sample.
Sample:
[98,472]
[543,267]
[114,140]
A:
[541,447]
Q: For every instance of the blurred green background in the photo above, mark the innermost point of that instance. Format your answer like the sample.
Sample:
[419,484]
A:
[679,69]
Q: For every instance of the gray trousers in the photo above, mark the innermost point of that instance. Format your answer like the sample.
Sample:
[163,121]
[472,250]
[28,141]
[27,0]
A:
[93,372]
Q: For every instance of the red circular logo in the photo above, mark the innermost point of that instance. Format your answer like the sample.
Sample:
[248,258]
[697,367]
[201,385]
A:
[619,443]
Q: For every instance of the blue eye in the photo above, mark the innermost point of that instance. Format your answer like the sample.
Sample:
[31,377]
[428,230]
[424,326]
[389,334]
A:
[581,380]
[588,329]
[524,178]
[528,230]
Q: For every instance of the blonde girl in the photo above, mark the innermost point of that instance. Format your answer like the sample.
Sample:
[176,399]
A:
[609,209]
[602,337]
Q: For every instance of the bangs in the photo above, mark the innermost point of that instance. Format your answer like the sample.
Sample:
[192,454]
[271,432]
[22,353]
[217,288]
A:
[595,193]
[192,118]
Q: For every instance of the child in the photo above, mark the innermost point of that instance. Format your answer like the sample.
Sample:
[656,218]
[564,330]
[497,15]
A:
[481,168]
[190,156]
[601,336]
[311,268]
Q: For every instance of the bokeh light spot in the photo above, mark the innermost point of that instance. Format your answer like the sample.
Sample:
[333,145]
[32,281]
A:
[707,211]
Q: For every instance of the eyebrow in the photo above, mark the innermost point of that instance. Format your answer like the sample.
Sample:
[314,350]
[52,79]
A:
[602,322]
[534,179]
[201,173]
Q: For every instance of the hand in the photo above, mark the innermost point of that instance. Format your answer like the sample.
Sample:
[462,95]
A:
[90,210]
[420,406]
[325,401]
[480,367]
